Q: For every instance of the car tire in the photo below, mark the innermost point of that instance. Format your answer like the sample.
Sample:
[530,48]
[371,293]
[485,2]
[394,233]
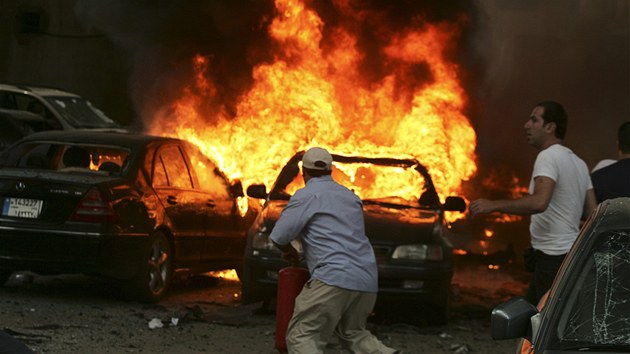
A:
[438,311]
[250,292]
[155,274]
[5,275]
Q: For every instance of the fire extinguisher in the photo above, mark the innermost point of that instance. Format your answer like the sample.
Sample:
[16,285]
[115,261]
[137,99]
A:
[291,279]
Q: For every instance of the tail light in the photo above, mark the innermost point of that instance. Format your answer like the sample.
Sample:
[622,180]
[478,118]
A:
[94,207]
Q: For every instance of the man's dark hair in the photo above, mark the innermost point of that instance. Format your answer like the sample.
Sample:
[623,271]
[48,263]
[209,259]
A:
[623,137]
[555,113]
[317,173]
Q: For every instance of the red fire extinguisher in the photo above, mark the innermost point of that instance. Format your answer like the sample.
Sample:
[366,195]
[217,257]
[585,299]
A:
[290,282]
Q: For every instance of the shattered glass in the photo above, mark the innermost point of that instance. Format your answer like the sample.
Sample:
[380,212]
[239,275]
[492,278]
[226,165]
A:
[598,308]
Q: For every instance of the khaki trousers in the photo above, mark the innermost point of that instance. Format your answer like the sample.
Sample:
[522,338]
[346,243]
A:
[322,310]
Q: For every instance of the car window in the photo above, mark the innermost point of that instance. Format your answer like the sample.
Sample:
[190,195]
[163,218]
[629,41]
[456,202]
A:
[7,100]
[80,113]
[209,177]
[61,156]
[170,168]
[386,183]
[598,308]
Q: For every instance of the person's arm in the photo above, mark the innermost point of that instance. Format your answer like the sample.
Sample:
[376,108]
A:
[529,204]
[289,253]
[590,203]
[292,220]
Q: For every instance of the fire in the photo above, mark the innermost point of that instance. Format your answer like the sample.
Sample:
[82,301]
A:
[227,274]
[313,94]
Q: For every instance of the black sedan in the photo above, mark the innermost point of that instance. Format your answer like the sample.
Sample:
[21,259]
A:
[134,208]
[408,233]
[588,306]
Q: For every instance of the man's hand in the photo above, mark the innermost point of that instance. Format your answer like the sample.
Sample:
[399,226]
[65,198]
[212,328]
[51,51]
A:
[481,206]
[291,256]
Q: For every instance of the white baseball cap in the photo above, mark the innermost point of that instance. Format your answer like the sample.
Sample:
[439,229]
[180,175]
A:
[317,159]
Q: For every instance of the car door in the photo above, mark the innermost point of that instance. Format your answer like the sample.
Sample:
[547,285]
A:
[185,207]
[225,228]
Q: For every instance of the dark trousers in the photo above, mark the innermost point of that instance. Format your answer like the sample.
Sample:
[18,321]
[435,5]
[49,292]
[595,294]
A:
[545,271]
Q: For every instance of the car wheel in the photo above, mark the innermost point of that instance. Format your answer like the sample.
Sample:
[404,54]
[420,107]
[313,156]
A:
[250,292]
[156,272]
[5,275]
[438,311]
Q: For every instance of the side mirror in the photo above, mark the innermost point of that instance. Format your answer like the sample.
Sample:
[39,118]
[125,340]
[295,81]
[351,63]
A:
[455,204]
[237,189]
[258,191]
[512,319]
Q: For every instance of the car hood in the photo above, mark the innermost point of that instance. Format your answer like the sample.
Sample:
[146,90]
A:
[384,224]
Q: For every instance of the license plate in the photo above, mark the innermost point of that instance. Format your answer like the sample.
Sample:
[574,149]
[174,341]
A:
[22,208]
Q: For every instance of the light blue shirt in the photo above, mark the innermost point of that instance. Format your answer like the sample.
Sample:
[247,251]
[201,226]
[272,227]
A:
[328,219]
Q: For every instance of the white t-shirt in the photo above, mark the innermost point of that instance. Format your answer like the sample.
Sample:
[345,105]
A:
[554,230]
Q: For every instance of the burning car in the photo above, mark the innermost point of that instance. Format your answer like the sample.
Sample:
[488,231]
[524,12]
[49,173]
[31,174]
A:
[134,208]
[587,308]
[404,221]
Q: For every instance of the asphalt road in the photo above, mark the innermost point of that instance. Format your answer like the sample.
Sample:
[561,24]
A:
[63,314]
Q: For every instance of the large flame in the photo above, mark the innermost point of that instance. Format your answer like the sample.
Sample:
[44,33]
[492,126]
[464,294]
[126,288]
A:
[307,96]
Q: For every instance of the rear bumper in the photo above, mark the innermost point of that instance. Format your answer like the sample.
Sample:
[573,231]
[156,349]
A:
[58,251]
[396,282]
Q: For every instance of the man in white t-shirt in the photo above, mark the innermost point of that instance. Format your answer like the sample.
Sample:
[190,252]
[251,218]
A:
[560,195]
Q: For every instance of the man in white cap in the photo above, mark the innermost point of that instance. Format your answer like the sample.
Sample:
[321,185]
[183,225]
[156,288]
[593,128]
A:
[328,220]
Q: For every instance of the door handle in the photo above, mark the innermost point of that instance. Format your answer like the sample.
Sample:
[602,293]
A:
[171,199]
[210,203]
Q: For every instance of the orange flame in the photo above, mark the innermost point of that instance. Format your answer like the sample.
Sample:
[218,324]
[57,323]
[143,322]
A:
[308,97]
[227,274]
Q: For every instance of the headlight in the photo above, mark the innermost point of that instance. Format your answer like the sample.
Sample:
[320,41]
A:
[418,252]
[261,240]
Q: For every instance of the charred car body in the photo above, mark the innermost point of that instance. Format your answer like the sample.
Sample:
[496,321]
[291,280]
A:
[588,306]
[407,233]
[130,207]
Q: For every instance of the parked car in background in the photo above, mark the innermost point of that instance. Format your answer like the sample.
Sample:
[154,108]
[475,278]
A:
[134,208]
[588,306]
[17,124]
[415,261]
[61,110]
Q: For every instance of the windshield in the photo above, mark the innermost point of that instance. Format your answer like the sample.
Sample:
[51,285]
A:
[394,184]
[80,113]
[597,310]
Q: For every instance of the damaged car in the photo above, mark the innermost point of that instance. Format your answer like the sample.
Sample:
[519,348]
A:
[136,209]
[404,221]
[588,306]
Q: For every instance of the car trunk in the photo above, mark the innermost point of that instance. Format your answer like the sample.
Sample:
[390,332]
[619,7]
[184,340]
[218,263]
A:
[42,197]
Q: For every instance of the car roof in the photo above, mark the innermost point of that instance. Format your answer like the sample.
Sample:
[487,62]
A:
[614,214]
[90,136]
[386,161]
[37,90]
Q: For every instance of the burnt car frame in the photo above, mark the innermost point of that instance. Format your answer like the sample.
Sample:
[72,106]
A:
[415,261]
[588,306]
[143,209]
